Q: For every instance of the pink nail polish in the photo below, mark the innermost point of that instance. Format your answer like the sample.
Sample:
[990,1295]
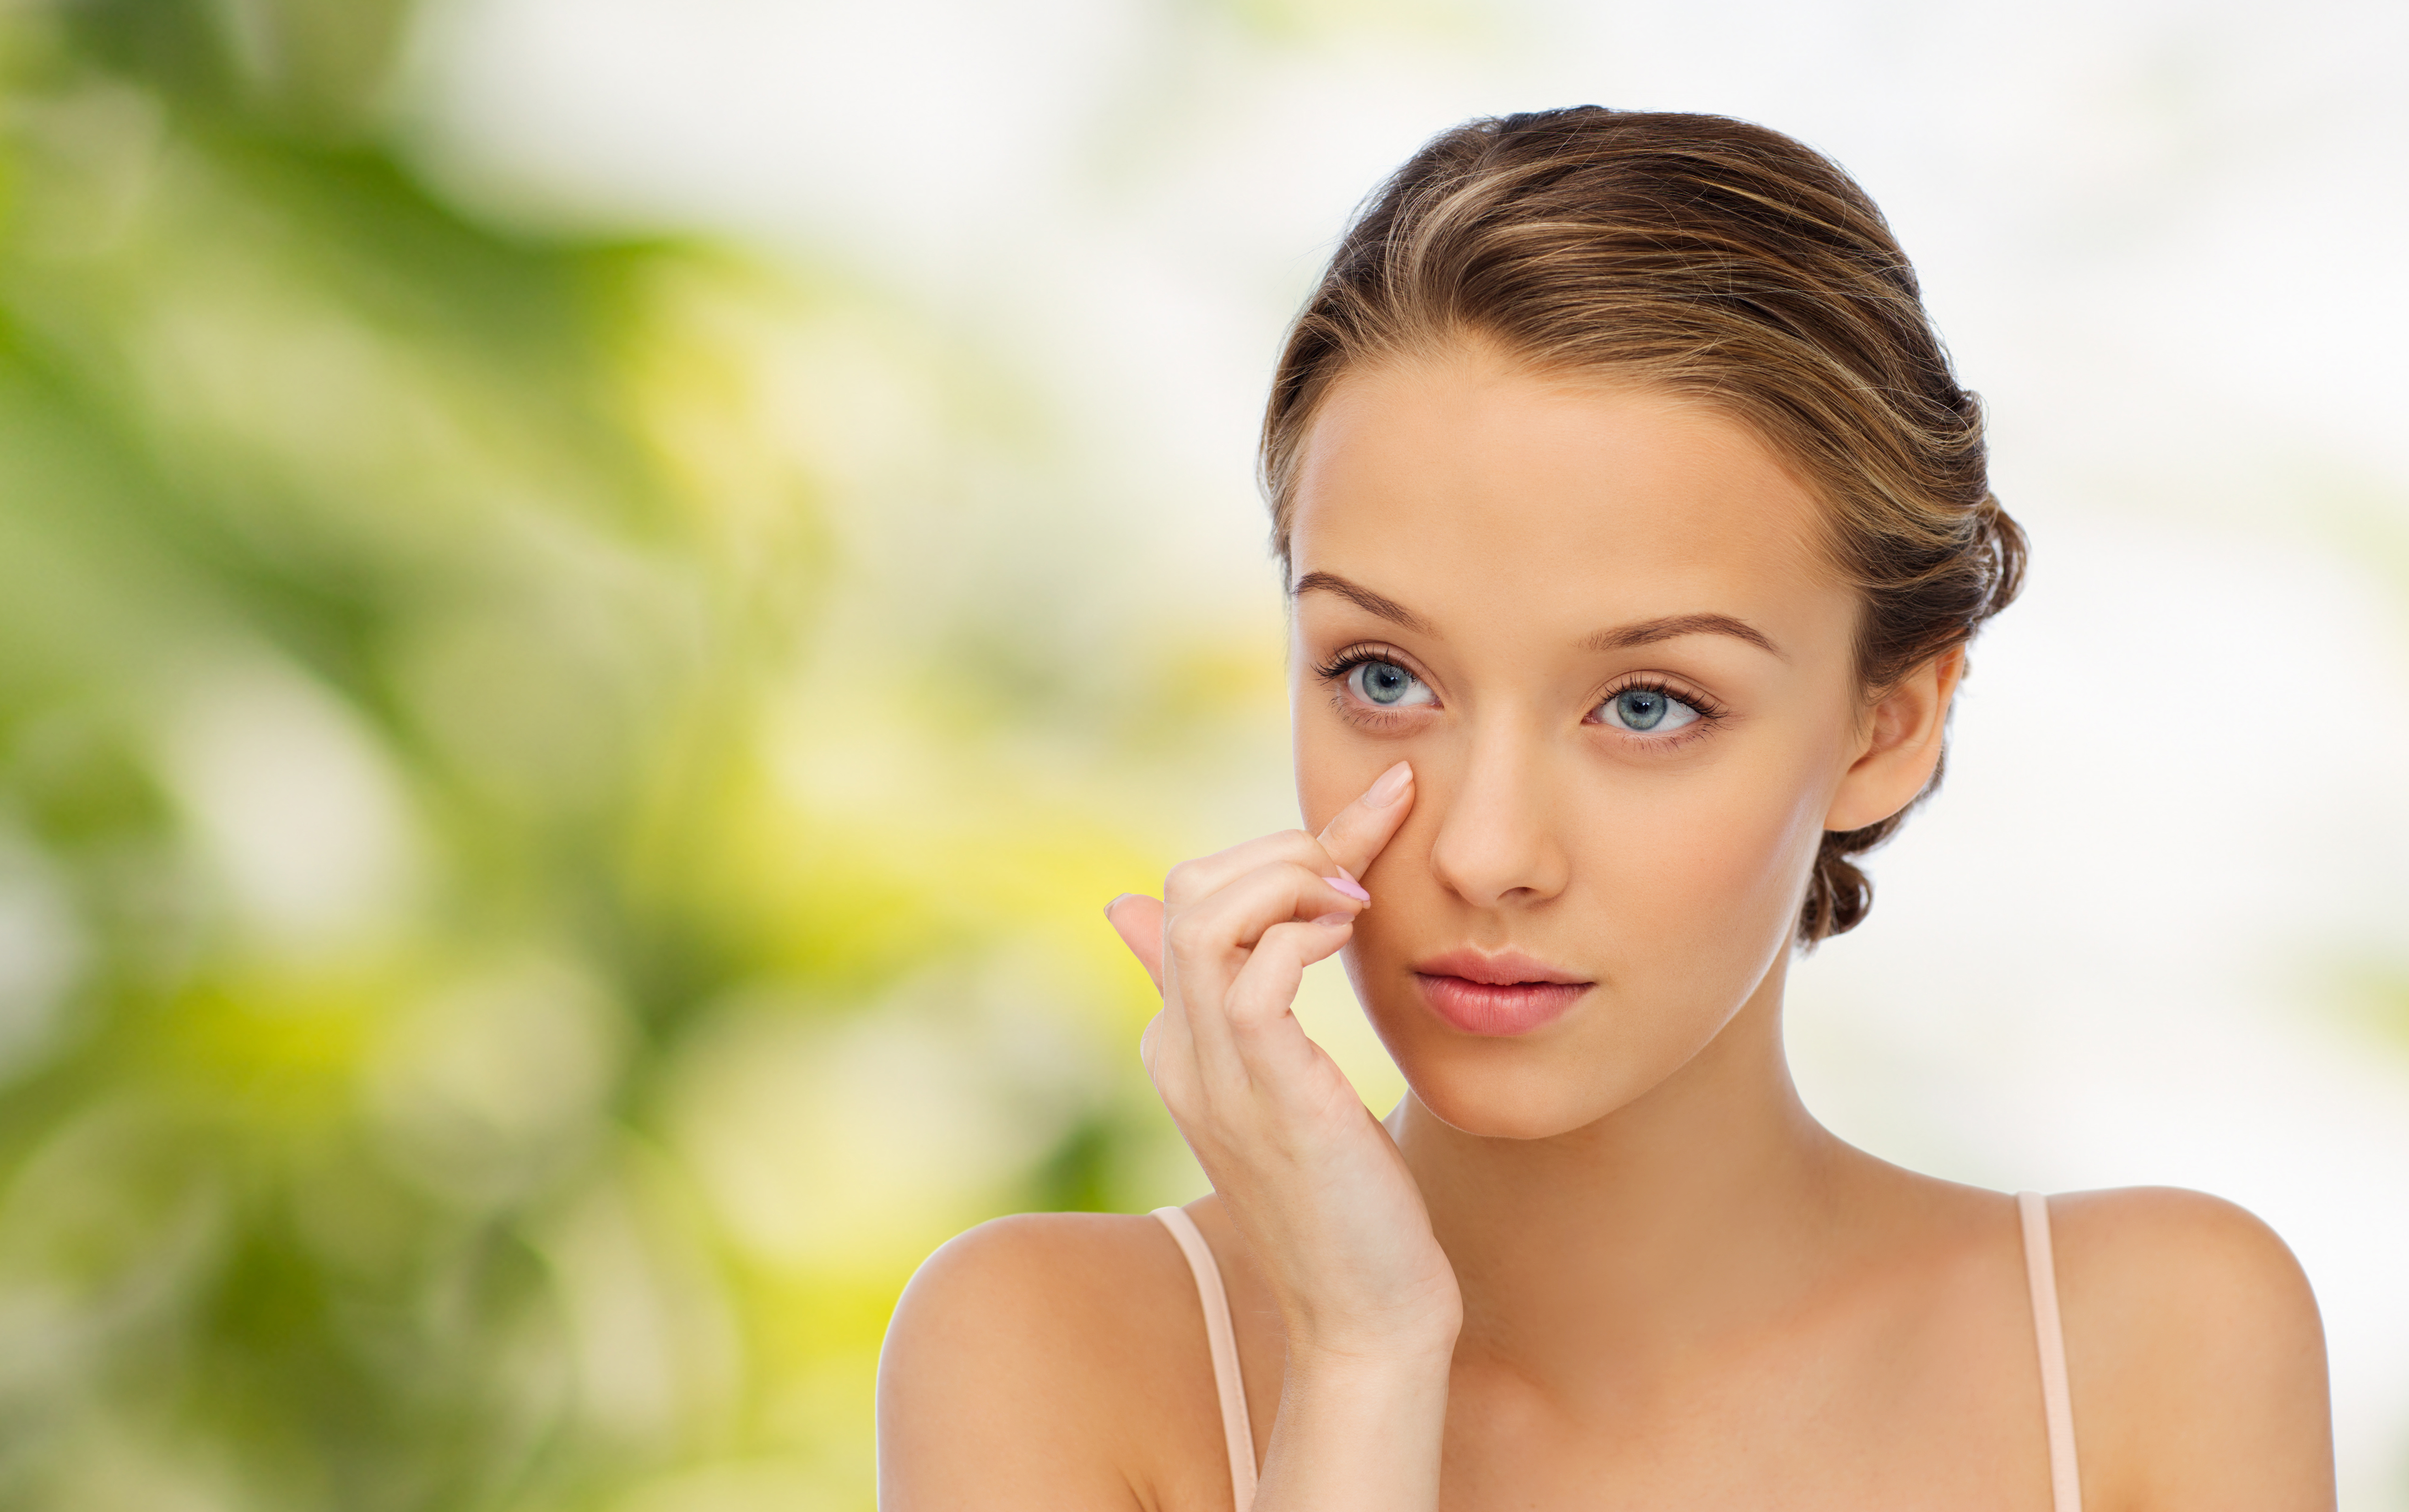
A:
[1390,788]
[1353,888]
[1336,920]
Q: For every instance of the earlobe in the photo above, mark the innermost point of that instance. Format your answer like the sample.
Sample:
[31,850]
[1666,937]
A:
[1905,733]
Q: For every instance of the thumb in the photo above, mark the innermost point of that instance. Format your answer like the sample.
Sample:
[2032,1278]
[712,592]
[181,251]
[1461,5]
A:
[1138,920]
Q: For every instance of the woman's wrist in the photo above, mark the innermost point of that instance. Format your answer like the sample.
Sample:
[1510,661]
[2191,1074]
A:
[1404,1338]
[1358,1431]
[1355,1362]
[1350,1388]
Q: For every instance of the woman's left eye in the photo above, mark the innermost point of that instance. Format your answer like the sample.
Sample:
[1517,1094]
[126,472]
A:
[1384,685]
[1646,712]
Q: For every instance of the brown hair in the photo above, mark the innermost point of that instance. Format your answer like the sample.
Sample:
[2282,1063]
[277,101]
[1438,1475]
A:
[1720,261]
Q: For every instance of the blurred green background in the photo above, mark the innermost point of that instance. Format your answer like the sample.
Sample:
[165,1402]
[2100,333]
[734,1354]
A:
[512,962]
[567,711]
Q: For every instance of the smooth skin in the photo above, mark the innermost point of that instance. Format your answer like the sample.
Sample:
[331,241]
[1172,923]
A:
[1611,1262]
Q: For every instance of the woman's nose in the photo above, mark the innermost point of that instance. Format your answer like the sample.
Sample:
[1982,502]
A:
[1497,846]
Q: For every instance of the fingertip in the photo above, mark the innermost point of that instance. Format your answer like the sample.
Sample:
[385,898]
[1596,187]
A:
[1119,899]
[1336,921]
[1357,834]
[1346,883]
[1389,786]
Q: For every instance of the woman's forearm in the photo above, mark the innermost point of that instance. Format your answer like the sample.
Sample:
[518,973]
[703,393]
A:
[1356,1436]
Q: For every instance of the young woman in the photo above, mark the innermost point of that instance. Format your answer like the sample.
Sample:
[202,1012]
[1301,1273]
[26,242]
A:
[1635,528]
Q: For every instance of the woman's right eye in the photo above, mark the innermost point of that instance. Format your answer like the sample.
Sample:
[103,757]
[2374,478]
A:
[1384,685]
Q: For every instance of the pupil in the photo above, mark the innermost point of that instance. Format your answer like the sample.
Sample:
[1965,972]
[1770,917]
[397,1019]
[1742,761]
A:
[1383,682]
[1641,709]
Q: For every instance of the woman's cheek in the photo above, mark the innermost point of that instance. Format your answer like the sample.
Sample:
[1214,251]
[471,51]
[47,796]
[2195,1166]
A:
[1694,860]
[1745,876]
[1321,770]
[1336,763]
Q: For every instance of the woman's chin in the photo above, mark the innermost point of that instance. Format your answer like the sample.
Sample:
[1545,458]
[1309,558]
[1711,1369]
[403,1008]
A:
[1485,1105]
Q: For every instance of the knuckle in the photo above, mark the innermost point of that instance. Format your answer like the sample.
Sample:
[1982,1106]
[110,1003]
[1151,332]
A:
[1304,849]
[1189,936]
[1311,886]
[1251,1015]
[1280,942]
[1179,884]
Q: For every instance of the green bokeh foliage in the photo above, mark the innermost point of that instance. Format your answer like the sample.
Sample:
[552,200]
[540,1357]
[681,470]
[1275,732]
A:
[405,628]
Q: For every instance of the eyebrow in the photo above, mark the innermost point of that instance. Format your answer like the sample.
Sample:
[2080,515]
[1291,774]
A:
[1364,599]
[1621,638]
[1674,626]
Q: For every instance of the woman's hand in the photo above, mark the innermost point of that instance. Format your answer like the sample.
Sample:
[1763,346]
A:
[1308,1177]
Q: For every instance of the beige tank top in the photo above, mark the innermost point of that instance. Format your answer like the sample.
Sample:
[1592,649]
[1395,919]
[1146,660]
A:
[2041,1275]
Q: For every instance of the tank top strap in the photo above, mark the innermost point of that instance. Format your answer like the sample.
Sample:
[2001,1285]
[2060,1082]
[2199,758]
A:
[1221,1338]
[2057,1406]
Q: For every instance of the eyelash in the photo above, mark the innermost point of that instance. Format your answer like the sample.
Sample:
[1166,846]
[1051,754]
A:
[1335,670]
[1710,714]
[1347,659]
[1351,657]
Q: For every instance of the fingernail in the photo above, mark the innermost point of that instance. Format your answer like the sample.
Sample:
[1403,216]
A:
[1119,899]
[1348,886]
[1390,786]
[1336,920]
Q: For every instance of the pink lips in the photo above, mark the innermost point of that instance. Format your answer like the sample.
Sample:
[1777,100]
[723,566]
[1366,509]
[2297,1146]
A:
[1507,993]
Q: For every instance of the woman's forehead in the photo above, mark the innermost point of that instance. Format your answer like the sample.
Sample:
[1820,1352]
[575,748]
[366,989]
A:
[1466,478]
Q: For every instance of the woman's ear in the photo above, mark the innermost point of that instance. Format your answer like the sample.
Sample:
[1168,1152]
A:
[1900,745]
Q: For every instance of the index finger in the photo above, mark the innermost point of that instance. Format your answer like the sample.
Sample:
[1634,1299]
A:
[1356,834]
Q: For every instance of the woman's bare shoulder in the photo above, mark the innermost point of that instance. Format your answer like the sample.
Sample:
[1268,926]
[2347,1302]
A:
[1036,1359]
[2195,1355]
[1034,1277]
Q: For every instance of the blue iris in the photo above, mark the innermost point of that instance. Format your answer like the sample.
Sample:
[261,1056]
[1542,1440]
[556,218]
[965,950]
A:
[1641,708]
[1384,683]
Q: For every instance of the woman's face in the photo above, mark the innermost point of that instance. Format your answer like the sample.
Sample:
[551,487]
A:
[1597,621]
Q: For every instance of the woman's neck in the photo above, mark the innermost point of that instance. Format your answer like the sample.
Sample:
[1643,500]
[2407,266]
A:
[1691,1219]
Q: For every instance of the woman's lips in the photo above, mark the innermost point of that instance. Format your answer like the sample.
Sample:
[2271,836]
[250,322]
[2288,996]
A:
[1510,993]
